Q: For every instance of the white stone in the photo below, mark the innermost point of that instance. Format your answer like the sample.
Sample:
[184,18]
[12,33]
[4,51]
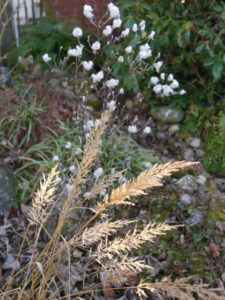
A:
[201,179]
[185,198]
[173,129]
[195,142]
[10,262]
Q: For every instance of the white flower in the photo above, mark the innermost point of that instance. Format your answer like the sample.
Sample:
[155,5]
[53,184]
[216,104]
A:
[182,92]
[151,35]
[120,59]
[147,130]
[125,32]
[167,90]
[162,76]
[68,145]
[72,168]
[78,151]
[170,77]
[46,58]
[95,46]
[114,11]
[116,23]
[55,158]
[129,49]
[122,179]
[154,80]
[132,129]
[98,122]
[77,32]
[158,66]
[112,83]
[111,103]
[88,11]
[142,25]
[76,51]
[145,51]
[89,124]
[97,77]
[87,65]
[121,91]
[174,84]
[103,192]
[107,31]
[157,88]
[98,173]
[135,28]
[87,194]
[87,135]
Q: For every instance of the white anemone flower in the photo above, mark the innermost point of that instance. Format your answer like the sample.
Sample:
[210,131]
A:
[88,11]
[135,28]
[96,46]
[116,23]
[107,31]
[151,35]
[145,51]
[68,145]
[142,25]
[114,11]
[132,129]
[87,65]
[174,84]
[129,49]
[55,158]
[157,88]
[98,173]
[46,58]
[112,83]
[97,77]
[77,32]
[154,80]
[120,59]
[147,130]
[125,32]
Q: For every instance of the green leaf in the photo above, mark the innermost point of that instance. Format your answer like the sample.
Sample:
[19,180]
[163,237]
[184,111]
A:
[208,62]
[224,58]
[218,8]
[180,42]
[199,48]
[217,69]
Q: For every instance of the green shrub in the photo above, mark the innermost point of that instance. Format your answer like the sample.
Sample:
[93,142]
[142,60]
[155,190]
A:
[189,36]
[48,36]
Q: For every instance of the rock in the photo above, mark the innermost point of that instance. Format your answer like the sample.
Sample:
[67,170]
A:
[199,152]
[201,179]
[5,76]
[167,114]
[185,199]
[6,189]
[188,154]
[160,136]
[194,142]
[55,82]
[187,183]
[194,220]
[173,129]
[220,183]
[10,263]
[129,104]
